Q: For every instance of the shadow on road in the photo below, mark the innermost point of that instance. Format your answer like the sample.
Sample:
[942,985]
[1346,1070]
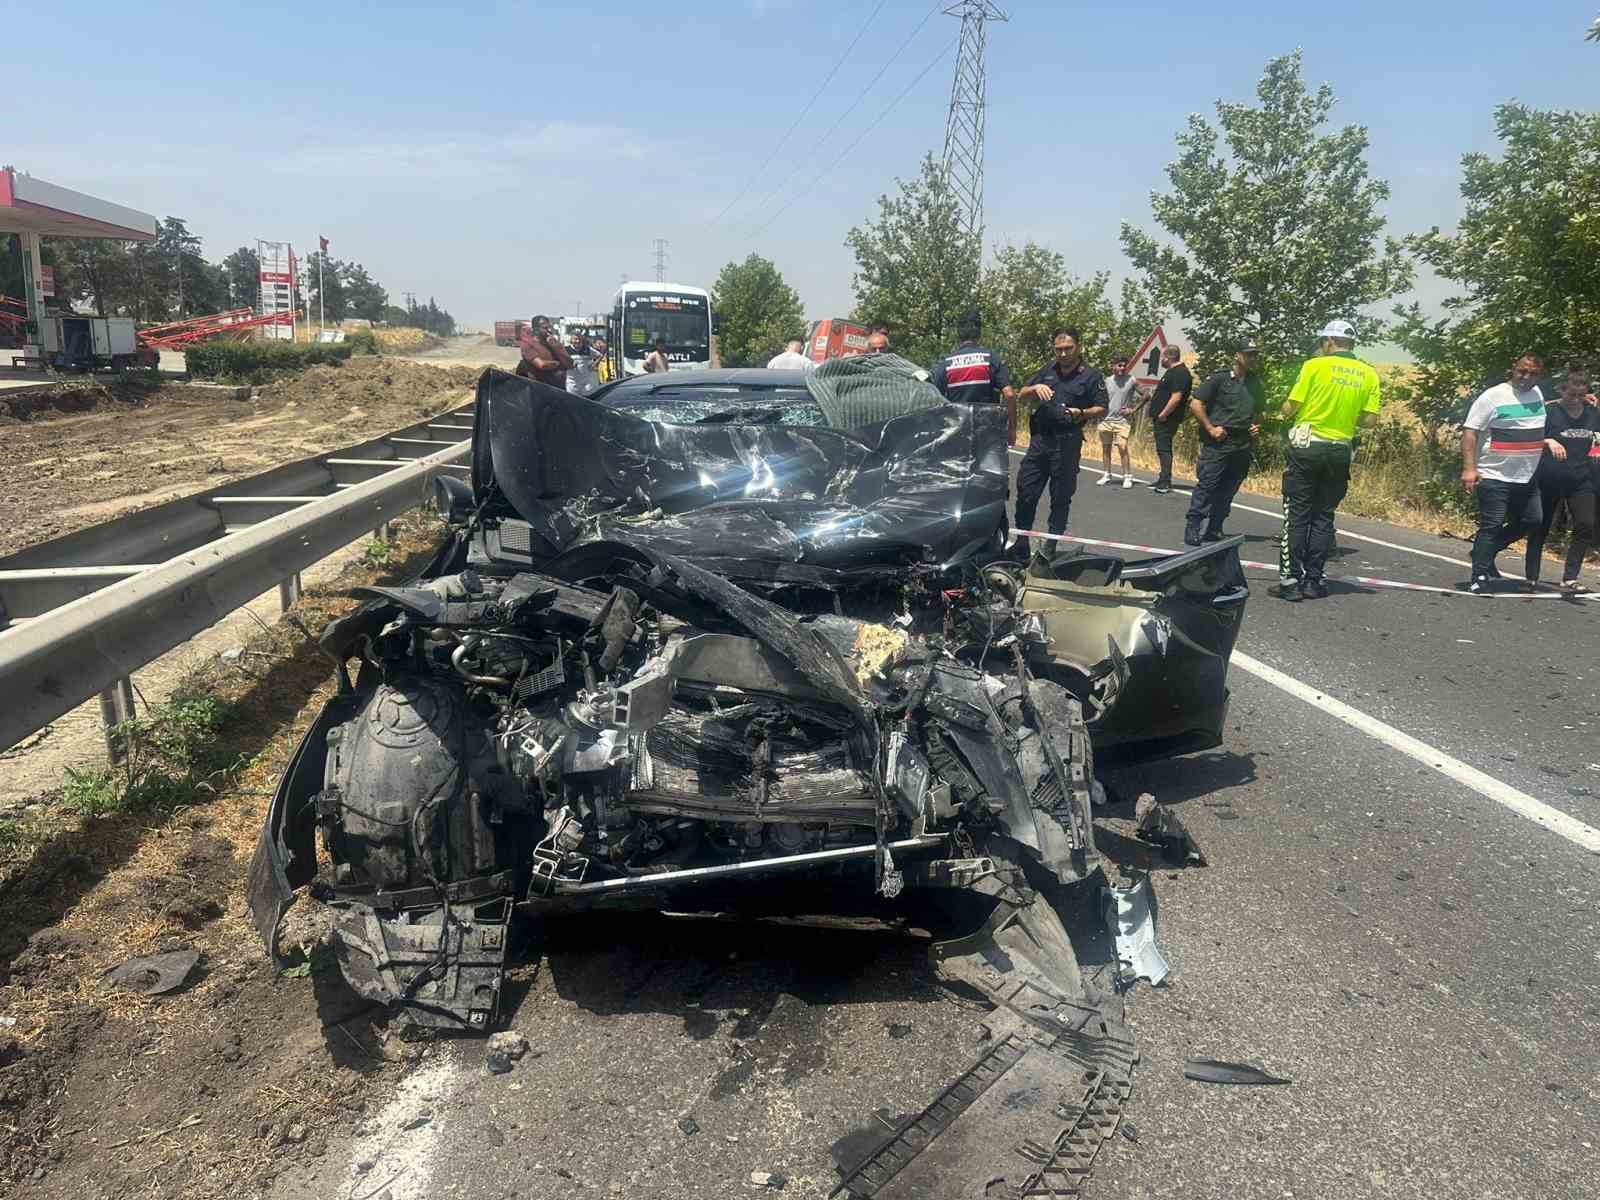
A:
[711,972]
[1176,780]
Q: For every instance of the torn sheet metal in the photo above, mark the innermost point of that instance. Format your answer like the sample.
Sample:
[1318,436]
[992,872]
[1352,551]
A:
[749,502]
[1209,1070]
[1131,913]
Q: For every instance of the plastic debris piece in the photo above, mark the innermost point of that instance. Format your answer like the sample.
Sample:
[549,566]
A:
[154,974]
[1209,1070]
[498,1062]
[688,1126]
[1132,917]
[1162,827]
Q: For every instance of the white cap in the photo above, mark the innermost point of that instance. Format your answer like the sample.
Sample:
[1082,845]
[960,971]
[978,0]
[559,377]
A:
[1339,329]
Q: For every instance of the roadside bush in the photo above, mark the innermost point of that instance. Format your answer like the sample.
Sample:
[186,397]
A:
[247,360]
[361,341]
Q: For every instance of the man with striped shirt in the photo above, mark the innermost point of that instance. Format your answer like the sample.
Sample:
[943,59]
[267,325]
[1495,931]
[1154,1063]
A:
[1501,444]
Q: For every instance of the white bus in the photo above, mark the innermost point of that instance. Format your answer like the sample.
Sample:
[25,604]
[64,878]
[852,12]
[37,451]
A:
[675,312]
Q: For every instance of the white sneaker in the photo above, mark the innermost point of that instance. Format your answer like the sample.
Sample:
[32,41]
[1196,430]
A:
[1127,481]
[1103,480]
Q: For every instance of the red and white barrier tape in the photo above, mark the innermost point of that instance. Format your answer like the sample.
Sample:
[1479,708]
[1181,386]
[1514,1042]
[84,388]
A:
[1546,592]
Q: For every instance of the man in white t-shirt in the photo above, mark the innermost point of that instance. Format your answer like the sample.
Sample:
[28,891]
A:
[1502,441]
[791,359]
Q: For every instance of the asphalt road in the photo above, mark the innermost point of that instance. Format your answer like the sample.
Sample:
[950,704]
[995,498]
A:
[1421,961]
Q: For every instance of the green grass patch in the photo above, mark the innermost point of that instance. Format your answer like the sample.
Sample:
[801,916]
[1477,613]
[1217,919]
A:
[170,759]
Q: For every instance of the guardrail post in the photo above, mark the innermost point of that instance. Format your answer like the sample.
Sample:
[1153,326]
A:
[289,591]
[116,706]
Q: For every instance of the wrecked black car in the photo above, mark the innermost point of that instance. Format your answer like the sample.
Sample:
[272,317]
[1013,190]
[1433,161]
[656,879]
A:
[730,663]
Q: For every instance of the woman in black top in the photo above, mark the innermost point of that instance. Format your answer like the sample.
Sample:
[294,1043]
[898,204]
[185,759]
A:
[1567,472]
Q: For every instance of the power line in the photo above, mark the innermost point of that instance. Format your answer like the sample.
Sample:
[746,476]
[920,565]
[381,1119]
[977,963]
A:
[804,112]
[855,104]
[861,137]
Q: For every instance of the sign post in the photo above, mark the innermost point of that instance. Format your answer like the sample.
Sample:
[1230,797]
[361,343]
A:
[277,288]
[1147,359]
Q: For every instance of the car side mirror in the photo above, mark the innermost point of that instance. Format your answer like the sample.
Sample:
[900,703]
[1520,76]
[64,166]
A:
[452,499]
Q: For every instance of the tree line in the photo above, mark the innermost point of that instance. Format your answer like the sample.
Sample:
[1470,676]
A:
[169,279]
[1272,224]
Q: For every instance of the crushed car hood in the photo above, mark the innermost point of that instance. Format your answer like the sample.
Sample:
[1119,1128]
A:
[812,505]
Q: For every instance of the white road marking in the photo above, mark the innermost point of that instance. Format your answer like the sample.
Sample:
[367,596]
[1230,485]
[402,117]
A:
[1360,537]
[1503,794]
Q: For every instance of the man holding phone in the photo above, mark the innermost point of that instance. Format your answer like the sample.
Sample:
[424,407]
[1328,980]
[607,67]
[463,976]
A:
[545,358]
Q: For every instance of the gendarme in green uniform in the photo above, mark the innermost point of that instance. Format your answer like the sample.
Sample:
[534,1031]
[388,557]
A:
[1332,392]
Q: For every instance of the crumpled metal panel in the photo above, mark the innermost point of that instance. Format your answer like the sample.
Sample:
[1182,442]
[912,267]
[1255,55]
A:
[749,498]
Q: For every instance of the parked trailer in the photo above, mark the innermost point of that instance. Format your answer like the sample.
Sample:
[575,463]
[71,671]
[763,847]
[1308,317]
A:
[509,333]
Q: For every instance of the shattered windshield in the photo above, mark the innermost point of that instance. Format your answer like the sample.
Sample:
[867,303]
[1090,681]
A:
[730,405]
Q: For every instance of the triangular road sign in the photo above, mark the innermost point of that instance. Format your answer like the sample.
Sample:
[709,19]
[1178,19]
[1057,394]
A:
[1146,361]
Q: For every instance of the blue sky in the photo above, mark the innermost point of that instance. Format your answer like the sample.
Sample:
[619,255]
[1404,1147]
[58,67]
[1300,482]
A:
[510,158]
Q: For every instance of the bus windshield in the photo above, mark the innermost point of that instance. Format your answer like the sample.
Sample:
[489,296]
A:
[681,321]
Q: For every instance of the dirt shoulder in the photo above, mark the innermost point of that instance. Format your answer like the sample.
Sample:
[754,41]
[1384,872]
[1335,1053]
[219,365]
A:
[211,1090]
[86,453]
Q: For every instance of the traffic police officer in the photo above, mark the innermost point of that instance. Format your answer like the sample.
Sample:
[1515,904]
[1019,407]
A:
[1228,406]
[1069,394]
[1335,396]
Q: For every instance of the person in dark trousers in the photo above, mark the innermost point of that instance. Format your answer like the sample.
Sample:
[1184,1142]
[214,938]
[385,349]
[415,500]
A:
[973,373]
[1502,442]
[1335,395]
[1068,395]
[1566,475]
[1228,406]
[1168,407]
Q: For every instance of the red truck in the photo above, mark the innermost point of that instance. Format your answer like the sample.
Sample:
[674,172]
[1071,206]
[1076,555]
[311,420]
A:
[509,333]
[836,338]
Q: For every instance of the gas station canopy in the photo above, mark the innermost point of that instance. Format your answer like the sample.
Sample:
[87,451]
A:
[29,205]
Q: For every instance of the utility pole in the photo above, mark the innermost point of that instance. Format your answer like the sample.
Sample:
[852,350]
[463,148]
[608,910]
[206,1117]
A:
[963,131]
[661,260]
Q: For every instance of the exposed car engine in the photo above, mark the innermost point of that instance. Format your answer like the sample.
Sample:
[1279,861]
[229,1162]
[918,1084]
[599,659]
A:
[618,686]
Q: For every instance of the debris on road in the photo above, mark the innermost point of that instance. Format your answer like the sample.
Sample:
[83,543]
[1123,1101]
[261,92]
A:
[154,974]
[510,1043]
[688,1126]
[767,1179]
[1131,913]
[498,1062]
[1162,827]
[1209,1070]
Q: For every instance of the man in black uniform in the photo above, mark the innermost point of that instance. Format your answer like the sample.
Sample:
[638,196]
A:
[973,374]
[1168,407]
[1069,395]
[1228,406]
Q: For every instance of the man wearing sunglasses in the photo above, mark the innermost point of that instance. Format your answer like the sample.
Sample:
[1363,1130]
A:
[1068,394]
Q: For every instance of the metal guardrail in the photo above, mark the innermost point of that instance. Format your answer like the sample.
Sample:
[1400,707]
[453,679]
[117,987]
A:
[79,614]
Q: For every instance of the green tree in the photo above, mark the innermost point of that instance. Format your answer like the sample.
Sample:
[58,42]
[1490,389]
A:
[1027,293]
[1278,234]
[243,271]
[1523,256]
[915,270]
[757,312]
[363,296]
[187,284]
